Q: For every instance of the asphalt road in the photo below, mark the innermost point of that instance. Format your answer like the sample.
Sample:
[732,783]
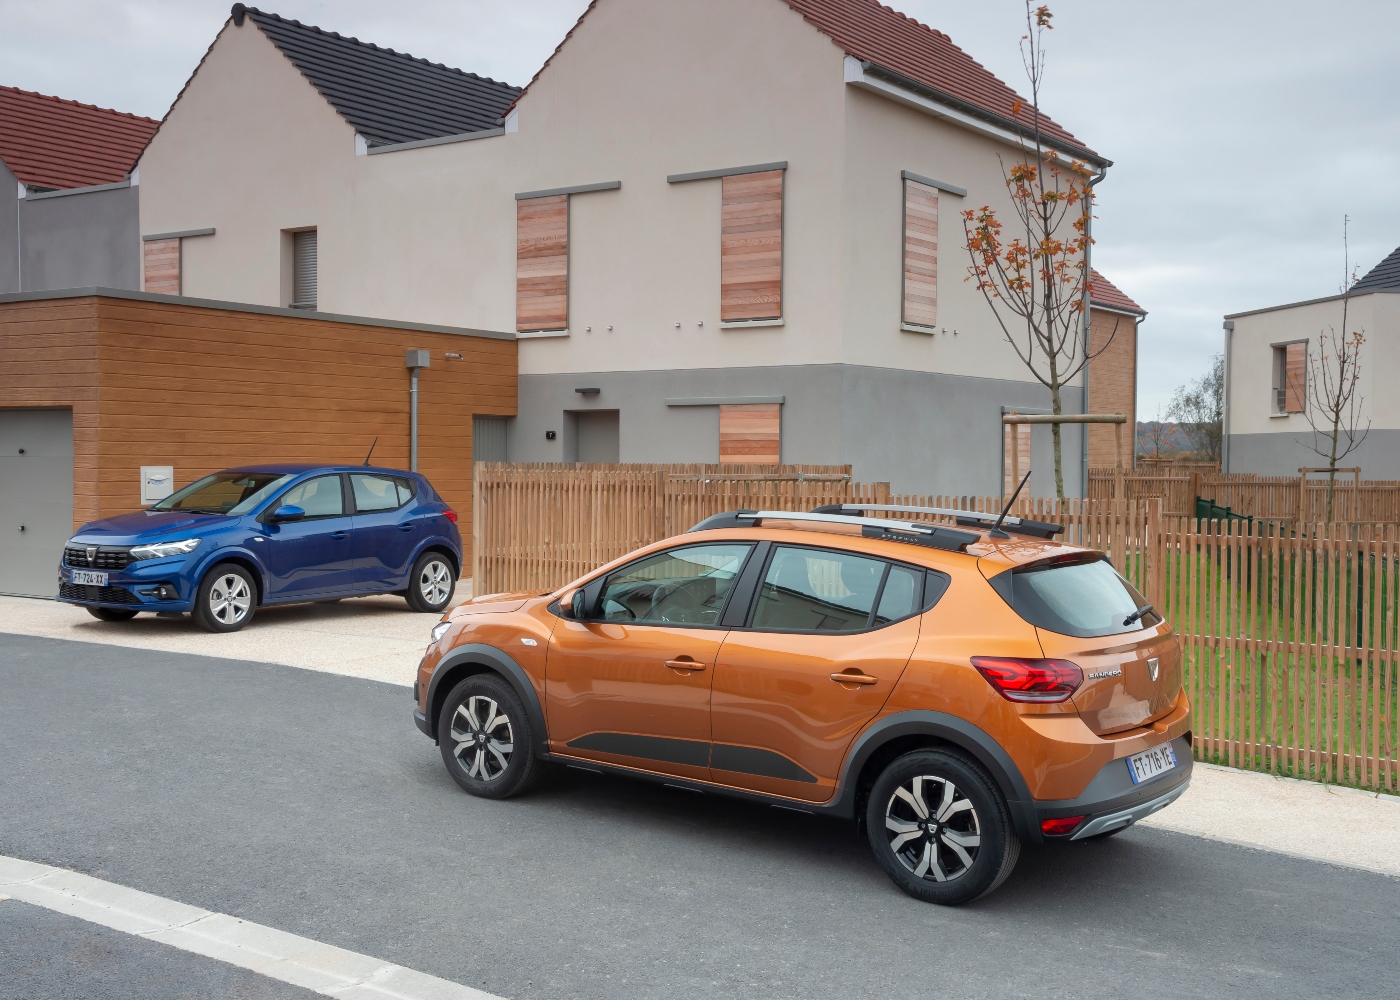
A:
[309,802]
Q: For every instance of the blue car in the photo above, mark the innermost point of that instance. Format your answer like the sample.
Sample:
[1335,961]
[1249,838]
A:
[268,534]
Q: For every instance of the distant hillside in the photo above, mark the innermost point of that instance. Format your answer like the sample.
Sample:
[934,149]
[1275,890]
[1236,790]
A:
[1174,440]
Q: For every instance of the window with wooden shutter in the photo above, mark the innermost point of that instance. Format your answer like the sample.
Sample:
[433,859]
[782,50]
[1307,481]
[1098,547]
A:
[1296,372]
[542,263]
[750,433]
[161,264]
[920,254]
[304,269]
[751,247]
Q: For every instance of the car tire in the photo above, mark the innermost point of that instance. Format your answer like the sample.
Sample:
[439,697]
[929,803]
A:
[226,599]
[940,828]
[486,739]
[431,584]
[112,614]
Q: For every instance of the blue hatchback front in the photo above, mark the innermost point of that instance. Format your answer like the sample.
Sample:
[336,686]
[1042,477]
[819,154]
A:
[268,534]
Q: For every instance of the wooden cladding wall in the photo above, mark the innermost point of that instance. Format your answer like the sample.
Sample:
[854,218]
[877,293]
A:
[161,262]
[1295,371]
[542,263]
[202,389]
[751,247]
[920,254]
[750,433]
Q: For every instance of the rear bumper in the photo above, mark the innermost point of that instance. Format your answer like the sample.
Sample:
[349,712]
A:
[1112,800]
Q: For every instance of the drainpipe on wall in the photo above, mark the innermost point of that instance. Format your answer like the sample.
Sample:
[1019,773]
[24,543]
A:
[414,360]
[1225,418]
[1088,318]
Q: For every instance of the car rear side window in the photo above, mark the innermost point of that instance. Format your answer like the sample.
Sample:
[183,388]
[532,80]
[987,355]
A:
[902,596]
[1080,595]
[818,590]
[319,497]
[374,493]
[679,586]
[406,490]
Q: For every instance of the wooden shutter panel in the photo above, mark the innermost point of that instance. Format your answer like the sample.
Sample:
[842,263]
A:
[1016,444]
[750,433]
[162,266]
[1296,375]
[304,269]
[542,263]
[920,254]
[751,247]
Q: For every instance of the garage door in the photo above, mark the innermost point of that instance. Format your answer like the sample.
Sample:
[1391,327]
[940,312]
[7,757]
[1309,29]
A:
[36,498]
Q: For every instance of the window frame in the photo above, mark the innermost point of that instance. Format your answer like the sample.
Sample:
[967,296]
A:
[925,606]
[347,499]
[1279,388]
[593,589]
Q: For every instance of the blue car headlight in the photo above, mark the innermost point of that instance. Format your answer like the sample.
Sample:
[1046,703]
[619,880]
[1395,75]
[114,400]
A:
[160,550]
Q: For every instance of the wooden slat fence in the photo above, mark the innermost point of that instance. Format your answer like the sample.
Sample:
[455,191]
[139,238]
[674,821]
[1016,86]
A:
[1273,498]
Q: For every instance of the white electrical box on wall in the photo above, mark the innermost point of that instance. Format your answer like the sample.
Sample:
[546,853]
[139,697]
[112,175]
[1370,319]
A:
[157,482]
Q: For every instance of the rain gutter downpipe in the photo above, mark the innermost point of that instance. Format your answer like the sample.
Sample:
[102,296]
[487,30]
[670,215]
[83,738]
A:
[1088,320]
[414,361]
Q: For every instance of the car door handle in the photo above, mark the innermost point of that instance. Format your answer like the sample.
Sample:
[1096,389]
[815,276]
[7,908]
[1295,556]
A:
[405,527]
[855,679]
[340,534]
[685,665]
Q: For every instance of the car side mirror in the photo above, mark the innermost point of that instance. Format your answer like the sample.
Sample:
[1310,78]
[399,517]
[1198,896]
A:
[571,605]
[288,513]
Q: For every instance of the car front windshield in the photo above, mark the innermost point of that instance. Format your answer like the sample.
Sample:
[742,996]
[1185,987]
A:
[225,493]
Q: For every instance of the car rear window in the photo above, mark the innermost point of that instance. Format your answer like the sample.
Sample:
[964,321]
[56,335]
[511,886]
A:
[1079,595]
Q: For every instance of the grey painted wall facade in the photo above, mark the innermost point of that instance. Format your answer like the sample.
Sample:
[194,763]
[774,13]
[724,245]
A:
[1285,454]
[79,240]
[9,231]
[919,431]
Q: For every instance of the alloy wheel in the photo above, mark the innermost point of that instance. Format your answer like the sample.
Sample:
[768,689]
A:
[435,582]
[483,736]
[230,598]
[933,828]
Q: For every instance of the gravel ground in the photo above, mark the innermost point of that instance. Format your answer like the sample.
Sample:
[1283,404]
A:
[378,638]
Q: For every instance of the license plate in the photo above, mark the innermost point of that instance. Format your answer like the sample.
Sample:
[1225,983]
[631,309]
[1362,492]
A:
[1151,763]
[90,578]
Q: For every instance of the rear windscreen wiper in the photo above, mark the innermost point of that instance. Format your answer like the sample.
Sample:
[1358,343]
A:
[1145,609]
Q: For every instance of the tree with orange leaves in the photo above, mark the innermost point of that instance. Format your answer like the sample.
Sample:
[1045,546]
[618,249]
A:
[1035,277]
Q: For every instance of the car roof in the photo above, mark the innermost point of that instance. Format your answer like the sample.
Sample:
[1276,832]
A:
[297,468]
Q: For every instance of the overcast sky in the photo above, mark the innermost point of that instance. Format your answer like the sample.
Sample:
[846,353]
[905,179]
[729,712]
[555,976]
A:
[1241,131]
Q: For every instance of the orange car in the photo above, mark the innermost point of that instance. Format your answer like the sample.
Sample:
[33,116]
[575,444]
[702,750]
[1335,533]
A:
[960,690]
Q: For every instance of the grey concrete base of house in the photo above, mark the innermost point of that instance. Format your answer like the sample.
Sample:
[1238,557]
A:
[918,431]
[1285,452]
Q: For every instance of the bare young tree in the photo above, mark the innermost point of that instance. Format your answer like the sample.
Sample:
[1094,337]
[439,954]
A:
[1036,278]
[1155,436]
[1199,410]
[1334,406]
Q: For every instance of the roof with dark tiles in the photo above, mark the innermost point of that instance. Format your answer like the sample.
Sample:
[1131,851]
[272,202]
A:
[1384,277]
[51,143]
[387,96]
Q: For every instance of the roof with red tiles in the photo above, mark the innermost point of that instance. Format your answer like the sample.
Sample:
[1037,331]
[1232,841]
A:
[895,42]
[48,142]
[1103,292]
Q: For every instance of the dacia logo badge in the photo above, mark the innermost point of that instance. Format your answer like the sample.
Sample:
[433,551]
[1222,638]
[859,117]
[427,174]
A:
[1154,667]
[91,554]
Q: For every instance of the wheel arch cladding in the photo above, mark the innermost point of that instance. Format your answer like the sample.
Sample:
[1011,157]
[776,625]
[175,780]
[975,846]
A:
[478,658]
[437,545]
[905,732]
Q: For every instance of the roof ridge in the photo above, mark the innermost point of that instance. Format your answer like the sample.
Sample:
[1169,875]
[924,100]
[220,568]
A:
[238,7]
[78,104]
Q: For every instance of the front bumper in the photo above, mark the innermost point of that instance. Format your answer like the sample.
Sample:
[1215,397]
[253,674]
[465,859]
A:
[1112,801]
[145,586]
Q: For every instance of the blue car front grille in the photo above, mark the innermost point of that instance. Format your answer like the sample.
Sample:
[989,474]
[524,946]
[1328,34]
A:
[106,557]
[104,595]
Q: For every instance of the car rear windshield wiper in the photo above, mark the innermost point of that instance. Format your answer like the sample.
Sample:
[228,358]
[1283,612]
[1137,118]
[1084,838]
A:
[1145,609]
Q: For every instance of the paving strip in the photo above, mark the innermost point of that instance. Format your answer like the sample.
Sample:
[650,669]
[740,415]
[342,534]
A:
[300,961]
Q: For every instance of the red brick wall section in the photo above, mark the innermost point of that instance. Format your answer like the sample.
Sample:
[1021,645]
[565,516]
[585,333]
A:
[1112,383]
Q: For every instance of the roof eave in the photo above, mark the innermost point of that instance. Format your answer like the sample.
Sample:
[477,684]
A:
[1018,133]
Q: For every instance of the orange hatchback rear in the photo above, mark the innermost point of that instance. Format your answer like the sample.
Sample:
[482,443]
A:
[958,692]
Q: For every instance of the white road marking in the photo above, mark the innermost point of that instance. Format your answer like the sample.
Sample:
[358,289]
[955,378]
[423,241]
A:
[276,954]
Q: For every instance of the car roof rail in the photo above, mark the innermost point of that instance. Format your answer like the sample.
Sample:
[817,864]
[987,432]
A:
[933,535]
[966,518]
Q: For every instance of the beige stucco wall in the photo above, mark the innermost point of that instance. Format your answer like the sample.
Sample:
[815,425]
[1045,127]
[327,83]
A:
[641,90]
[1251,363]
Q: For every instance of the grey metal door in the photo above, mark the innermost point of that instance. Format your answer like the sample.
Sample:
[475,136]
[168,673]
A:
[36,498]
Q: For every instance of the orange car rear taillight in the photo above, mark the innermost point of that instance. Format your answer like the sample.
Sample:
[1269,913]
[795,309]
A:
[1027,680]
